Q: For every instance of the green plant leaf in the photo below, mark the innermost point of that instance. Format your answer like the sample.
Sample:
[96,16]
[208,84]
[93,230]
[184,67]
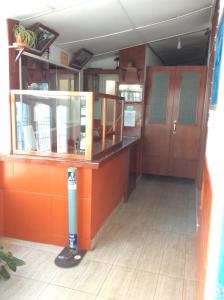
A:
[27,36]
[4,273]
[12,266]
[18,262]
[11,260]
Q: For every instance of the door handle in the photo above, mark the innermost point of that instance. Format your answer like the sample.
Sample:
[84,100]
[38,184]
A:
[174,126]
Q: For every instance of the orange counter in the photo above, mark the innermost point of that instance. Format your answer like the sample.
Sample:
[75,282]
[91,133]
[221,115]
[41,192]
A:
[33,195]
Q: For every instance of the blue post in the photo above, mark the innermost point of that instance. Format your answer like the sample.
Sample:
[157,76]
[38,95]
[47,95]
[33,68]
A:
[72,208]
[71,256]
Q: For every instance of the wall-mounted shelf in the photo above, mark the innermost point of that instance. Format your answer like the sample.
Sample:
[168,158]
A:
[20,51]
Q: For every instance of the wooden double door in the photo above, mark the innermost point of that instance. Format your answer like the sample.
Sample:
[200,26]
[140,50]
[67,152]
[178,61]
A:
[173,118]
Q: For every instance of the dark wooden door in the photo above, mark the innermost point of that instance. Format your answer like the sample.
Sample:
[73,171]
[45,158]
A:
[172,133]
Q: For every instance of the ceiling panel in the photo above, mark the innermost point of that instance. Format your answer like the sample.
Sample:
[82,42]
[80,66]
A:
[86,20]
[107,44]
[193,49]
[144,12]
[176,27]
[107,25]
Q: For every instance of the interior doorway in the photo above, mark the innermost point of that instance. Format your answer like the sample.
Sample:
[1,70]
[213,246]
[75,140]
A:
[173,116]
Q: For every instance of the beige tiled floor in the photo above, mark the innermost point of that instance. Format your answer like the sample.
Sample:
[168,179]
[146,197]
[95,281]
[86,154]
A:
[146,252]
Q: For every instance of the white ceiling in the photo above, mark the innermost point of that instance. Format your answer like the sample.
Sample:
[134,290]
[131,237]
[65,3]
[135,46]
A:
[104,26]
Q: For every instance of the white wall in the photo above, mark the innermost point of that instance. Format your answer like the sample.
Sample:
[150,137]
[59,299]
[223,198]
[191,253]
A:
[107,61]
[215,160]
[151,59]
[103,61]
[55,54]
[4,87]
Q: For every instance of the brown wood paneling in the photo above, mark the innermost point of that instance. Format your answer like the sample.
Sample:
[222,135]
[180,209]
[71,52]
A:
[137,56]
[13,66]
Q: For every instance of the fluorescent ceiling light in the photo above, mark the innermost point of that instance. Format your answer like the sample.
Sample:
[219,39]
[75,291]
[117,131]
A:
[179,44]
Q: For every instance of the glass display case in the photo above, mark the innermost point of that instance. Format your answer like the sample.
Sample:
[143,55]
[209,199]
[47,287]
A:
[42,74]
[81,125]
[131,92]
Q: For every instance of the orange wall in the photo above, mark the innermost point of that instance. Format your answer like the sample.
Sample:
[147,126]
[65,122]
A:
[204,230]
[1,205]
[35,202]
[1,214]
[109,187]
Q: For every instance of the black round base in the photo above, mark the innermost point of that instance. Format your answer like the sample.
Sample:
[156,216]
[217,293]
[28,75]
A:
[69,258]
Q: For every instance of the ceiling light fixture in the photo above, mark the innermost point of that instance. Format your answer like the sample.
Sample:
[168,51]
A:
[179,44]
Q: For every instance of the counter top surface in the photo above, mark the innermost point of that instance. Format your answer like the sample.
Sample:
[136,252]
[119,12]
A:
[91,164]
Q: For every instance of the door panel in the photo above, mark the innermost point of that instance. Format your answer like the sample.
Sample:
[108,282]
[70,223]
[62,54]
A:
[159,94]
[187,112]
[172,133]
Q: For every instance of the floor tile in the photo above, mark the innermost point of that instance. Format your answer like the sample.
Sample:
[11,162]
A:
[169,288]
[118,282]
[39,265]
[189,290]
[128,256]
[53,292]
[18,288]
[150,259]
[142,287]
[105,251]
[191,267]
[88,276]
[173,263]
[103,298]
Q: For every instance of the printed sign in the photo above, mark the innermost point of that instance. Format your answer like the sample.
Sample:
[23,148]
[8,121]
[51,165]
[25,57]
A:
[129,118]
[71,181]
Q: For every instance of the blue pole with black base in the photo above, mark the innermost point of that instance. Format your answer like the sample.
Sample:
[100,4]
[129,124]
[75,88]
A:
[71,256]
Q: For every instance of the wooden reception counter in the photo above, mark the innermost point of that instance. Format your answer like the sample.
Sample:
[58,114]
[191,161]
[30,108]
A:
[33,193]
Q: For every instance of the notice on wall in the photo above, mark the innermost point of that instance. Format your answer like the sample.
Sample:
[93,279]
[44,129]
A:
[129,118]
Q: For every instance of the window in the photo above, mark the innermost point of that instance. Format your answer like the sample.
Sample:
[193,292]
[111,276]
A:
[43,126]
[61,123]
[23,121]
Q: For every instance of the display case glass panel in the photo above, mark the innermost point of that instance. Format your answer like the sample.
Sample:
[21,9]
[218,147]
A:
[131,92]
[65,124]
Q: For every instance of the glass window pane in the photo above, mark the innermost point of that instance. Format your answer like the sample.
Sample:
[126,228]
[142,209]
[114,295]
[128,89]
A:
[111,87]
[22,120]
[190,82]
[109,122]
[45,123]
[158,98]
[97,125]
[118,122]
[43,126]
[131,92]
[61,124]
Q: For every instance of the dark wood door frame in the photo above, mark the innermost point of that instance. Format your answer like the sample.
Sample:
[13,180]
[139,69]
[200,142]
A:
[172,112]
